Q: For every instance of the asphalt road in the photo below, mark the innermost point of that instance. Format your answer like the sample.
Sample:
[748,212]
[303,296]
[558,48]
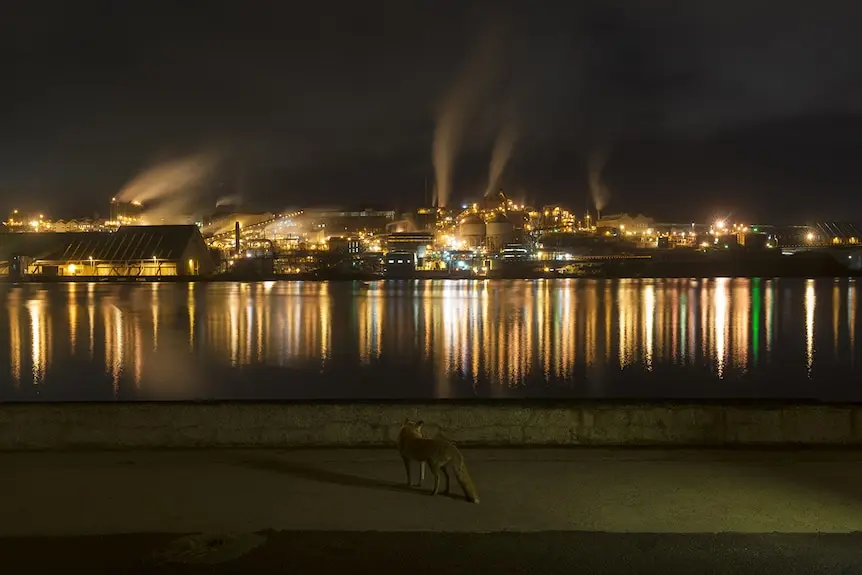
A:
[416,553]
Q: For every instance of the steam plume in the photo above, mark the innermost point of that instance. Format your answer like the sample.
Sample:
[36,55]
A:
[178,176]
[598,190]
[233,200]
[170,188]
[504,145]
[458,107]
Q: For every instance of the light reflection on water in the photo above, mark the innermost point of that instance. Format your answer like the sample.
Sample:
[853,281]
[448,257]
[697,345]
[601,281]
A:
[567,338]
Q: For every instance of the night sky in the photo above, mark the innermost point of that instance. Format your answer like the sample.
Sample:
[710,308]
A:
[752,108]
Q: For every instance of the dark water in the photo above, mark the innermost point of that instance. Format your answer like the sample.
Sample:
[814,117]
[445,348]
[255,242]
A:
[718,338]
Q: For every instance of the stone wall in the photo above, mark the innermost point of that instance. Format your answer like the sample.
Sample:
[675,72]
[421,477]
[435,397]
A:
[174,425]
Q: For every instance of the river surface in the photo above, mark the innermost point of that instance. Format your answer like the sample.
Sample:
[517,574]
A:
[635,339]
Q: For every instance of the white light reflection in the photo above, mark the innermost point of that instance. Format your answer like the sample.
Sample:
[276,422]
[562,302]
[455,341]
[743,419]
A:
[260,314]
[625,326]
[38,339]
[155,290]
[233,326]
[649,324]
[810,302]
[740,314]
[721,331]
[91,317]
[15,350]
[325,327]
[477,327]
[73,317]
[543,323]
[190,304]
[117,348]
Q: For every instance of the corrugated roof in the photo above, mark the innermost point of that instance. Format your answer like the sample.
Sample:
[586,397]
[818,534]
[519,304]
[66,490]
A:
[839,229]
[32,244]
[126,244]
[130,243]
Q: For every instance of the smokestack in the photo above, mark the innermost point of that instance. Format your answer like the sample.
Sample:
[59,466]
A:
[236,237]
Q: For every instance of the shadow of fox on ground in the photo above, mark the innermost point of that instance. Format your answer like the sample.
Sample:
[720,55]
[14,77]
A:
[334,477]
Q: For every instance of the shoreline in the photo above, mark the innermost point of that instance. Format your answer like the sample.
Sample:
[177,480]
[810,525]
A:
[850,275]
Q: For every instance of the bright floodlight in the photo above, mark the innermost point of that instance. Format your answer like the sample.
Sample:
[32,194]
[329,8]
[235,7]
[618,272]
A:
[719,225]
[810,237]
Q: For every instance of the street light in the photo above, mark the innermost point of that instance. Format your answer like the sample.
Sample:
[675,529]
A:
[809,236]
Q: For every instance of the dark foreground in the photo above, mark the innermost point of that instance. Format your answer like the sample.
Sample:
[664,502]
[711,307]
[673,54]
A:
[418,553]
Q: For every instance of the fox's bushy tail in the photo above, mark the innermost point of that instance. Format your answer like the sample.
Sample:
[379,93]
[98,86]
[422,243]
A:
[465,481]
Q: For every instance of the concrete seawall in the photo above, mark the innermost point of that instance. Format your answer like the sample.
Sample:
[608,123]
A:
[183,425]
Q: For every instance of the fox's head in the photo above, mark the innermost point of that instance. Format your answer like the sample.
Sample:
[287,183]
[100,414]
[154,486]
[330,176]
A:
[412,426]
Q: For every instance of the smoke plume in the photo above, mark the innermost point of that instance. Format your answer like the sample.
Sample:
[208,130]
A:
[504,145]
[177,177]
[171,188]
[598,190]
[459,106]
[233,200]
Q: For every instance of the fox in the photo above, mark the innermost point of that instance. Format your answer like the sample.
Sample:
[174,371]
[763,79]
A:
[439,453]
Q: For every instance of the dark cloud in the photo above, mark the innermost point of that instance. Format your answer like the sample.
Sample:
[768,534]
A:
[739,105]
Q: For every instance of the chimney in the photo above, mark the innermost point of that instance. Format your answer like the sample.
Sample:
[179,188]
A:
[236,237]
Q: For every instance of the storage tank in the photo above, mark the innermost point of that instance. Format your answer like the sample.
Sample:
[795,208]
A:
[499,232]
[472,231]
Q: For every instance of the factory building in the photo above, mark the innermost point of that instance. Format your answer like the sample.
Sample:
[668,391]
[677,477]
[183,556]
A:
[342,245]
[398,263]
[413,242]
[131,251]
[337,222]
[626,223]
[125,213]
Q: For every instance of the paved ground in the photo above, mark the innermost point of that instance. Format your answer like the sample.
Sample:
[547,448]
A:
[542,511]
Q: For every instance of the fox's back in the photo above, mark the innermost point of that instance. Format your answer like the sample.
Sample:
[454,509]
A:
[423,448]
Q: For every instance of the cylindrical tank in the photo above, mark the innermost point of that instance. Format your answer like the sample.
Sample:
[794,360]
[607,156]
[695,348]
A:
[499,231]
[472,230]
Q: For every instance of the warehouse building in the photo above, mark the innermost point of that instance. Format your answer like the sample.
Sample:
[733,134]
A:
[131,251]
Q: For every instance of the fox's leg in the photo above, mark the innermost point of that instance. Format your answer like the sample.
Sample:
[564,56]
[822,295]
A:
[435,471]
[421,474]
[407,469]
[445,473]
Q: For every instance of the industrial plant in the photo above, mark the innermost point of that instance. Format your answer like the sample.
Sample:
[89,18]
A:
[492,237]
